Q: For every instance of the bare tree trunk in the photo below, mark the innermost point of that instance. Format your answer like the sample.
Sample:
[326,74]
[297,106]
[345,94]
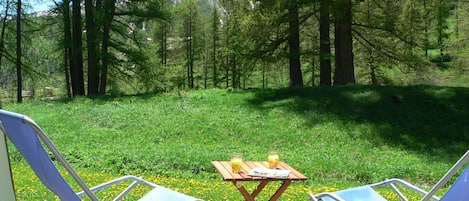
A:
[371,61]
[427,24]
[189,50]
[2,36]
[19,77]
[67,45]
[76,75]
[234,72]
[109,9]
[296,77]
[91,40]
[215,46]
[164,42]
[344,70]
[456,23]
[206,53]
[325,69]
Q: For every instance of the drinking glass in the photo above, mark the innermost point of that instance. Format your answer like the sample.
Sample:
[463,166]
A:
[273,159]
[236,161]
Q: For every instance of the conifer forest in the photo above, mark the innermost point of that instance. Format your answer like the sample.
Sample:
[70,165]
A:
[100,47]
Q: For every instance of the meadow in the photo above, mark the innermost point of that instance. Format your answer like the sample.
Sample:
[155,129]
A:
[339,137]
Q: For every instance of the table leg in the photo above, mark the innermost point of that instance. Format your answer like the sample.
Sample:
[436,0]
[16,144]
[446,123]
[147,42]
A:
[259,188]
[243,191]
[280,190]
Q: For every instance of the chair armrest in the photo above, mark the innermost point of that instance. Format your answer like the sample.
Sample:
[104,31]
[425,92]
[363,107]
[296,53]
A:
[391,183]
[136,181]
[317,197]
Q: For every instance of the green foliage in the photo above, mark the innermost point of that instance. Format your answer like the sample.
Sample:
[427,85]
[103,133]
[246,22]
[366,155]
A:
[442,60]
[243,44]
[337,136]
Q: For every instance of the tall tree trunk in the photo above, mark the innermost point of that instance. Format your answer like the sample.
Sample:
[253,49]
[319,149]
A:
[344,70]
[411,26]
[296,77]
[189,50]
[325,68]
[19,77]
[164,42]
[205,56]
[228,43]
[67,45]
[109,9]
[234,72]
[215,46]
[371,61]
[264,77]
[188,31]
[76,75]
[456,23]
[2,36]
[427,25]
[227,56]
[206,53]
[91,40]
[443,15]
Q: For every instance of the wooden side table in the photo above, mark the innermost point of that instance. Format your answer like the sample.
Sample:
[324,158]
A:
[224,168]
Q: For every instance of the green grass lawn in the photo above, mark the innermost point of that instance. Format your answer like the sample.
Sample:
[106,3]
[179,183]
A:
[339,137]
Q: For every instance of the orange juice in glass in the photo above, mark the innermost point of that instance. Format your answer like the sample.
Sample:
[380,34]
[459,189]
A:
[273,159]
[236,161]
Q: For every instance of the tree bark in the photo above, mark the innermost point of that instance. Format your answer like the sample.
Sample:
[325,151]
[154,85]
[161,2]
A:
[164,43]
[2,36]
[426,27]
[344,70]
[190,50]
[109,10]
[67,45]
[296,77]
[325,68]
[19,76]
[215,46]
[76,75]
[91,41]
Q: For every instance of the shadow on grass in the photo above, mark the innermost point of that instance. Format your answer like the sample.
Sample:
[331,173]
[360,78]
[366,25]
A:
[428,120]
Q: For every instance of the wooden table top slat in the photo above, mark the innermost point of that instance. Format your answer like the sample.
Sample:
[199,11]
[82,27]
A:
[224,168]
[251,164]
[219,166]
[227,167]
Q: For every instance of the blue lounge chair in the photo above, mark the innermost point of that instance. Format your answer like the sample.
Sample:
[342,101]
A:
[7,190]
[459,191]
[26,135]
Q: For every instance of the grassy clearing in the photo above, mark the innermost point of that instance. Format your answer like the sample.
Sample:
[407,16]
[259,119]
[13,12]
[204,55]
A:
[337,136]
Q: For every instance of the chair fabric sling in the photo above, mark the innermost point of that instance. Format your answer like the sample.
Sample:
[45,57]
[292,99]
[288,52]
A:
[29,138]
[162,193]
[459,191]
[7,190]
[28,144]
[363,193]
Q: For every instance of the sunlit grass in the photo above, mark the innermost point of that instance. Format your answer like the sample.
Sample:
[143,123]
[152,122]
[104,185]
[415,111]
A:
[338,137]
[28,186]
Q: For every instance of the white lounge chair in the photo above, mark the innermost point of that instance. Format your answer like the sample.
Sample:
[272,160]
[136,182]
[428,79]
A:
[26,135]
[459,191]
